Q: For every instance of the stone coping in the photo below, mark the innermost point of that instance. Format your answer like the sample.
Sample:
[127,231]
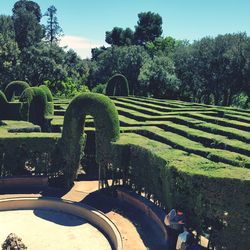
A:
[91,214]
[149,208]
[24,181]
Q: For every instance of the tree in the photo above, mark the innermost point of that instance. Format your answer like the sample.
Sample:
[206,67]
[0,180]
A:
[126,60]
[9,60]
[127,37]
[77,69]
[158,78]
[149,27]
[53,31]
[119,36]
[42,62]
[162,46]
[95,52]
[26,17]
[29,6]
[114,37]
[7,27]
[214,69]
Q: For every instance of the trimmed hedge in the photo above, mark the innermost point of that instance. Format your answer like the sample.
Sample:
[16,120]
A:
[117,85]
[34,106]
[8,111]
[47,92]
[107,130]
[15,88]
[211,194]
[36,149]
[3,105]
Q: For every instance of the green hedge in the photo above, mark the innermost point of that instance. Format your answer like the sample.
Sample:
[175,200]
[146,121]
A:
[3,105]
[47,92]
[107,130]
[211,194]
[36,149]
[15,88]
[117,85]
[8,111]
[34,106]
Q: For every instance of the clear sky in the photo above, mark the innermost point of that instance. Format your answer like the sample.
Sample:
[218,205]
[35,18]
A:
[84,22]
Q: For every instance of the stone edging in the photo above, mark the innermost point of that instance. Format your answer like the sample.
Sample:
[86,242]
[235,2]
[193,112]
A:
[91,214]
[146,206]
[24,181]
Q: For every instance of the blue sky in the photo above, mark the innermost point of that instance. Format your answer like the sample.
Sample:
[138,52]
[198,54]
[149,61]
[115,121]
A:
[84,22]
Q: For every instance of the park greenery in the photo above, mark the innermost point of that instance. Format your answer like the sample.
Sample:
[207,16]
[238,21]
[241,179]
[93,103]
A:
[168,128]
[212,70]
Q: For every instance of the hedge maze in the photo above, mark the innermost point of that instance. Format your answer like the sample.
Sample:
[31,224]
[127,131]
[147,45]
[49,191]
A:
[186,154]
[175,153]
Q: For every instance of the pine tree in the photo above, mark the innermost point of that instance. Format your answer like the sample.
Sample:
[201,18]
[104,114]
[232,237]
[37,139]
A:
[53,31]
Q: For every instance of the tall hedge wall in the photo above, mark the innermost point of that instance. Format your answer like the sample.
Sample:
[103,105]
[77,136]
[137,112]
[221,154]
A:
[8,111]
[117,85]
[15,88]
[211,194]
[34,105]
[3,105]
[107,130]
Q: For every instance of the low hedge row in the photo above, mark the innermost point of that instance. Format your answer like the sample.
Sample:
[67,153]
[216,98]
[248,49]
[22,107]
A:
[185,144]
[207,139]
[211,194]
[22,153]
[163,108]
[221,121]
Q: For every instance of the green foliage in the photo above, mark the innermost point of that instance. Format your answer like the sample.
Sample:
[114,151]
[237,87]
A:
[27,153]
[203,188]
[107,130]
[240,100]
[7,27]
[34,106]
[3,105]
[26,18]
[120,37]
[9,60]
[162,46]
[149,27]
[47,91]
[117,85]
[68,88]
[124,59]
[99,88]
[158,78]
[213,70]
[15,88]
[43,62]
[29,6]
[3,99]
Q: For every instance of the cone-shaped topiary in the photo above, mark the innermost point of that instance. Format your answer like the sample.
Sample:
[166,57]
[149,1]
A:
[117,85]
[15,88]
[107,127]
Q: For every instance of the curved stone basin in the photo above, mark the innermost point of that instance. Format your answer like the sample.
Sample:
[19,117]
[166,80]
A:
[46,223]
